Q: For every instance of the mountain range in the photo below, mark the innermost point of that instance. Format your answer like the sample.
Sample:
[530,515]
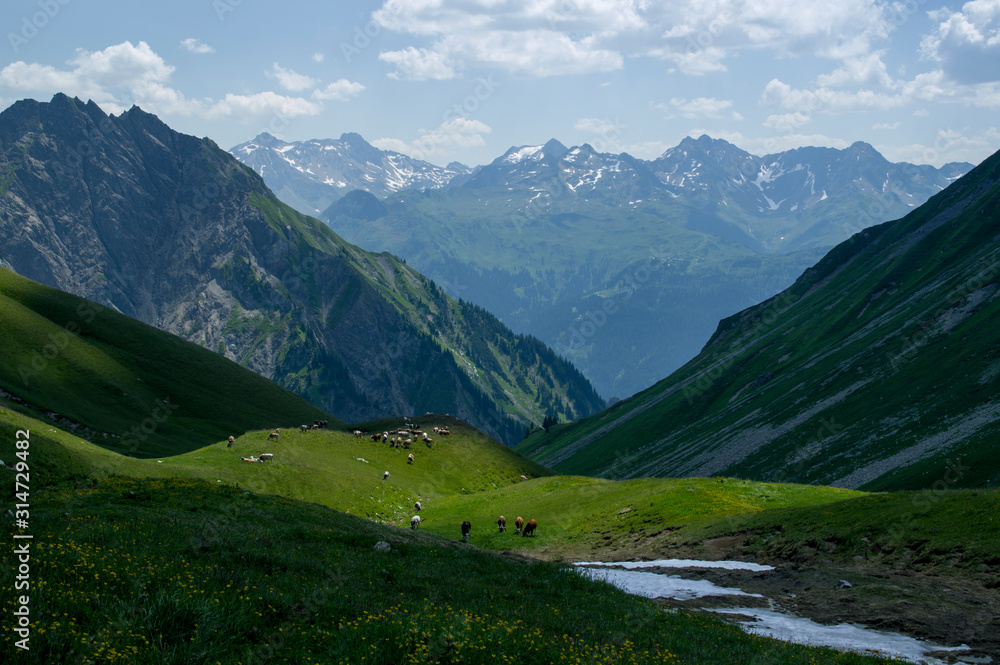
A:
[877,369]
[310,175]
[625,266]
[173,231]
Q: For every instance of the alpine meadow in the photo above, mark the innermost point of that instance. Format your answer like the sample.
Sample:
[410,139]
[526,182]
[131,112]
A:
[466,331]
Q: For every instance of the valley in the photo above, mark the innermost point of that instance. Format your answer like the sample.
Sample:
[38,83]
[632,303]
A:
[623,266]
[196,375]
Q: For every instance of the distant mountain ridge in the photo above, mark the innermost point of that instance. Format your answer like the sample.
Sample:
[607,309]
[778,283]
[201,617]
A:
[310,175]
[625,266]
[175,232]
[877,369]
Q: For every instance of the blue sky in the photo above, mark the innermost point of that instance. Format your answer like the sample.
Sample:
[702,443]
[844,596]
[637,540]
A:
[464,80]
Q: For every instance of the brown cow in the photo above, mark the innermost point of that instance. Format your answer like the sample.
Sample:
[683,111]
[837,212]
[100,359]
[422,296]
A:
[519,524]
[502,523]
[529,528]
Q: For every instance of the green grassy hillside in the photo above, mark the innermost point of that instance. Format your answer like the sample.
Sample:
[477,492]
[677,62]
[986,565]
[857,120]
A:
[248,568]
[876,370]
[237,577]
[125,385]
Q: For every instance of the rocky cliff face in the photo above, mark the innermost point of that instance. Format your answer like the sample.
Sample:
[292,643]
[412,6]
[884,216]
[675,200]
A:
[171,230]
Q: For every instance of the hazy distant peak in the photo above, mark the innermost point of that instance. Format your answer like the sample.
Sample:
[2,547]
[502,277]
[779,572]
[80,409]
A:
[554,148]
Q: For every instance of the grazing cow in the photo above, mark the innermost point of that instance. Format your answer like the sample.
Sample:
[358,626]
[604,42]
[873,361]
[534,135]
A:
[519,524]
[444,432]
[529,528]
[230,444]
[274,435]
[377,436]
[415,521]
[357,434]
[502,523]
[466,530]
[407,442]
[417,506]
[304,428]
[523,478]
[250,459]
[429,441]
[385,436]
[264,457]
[409,460]
[385,475]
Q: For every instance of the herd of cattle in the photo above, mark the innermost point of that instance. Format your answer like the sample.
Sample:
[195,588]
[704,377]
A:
[402,438]
[523,529]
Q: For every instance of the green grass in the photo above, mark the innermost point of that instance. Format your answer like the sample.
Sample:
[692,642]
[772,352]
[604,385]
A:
[139,390]
[237,577]
[875,370]
[247,567]
[931,531]
[581,517]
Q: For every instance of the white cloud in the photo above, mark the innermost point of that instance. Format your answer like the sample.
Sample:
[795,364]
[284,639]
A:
[966,42]
[598,126]
[441,143]
[291,80]
[114,78]
[894,94]
[340,90]
[194,46]
[261,104]
[21,76]
[864,70]
[699,107]
[948,146]
[887,125]
[787,121]
[557,37]
[987,97]
[126,74]
[418,64]
[318,57]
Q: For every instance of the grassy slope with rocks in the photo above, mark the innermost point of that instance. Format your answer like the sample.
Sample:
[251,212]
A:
[243,576]
[875,370]
[123,384]
[215,258]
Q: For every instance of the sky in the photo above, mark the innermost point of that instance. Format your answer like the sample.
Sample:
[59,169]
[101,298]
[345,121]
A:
[464,80]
